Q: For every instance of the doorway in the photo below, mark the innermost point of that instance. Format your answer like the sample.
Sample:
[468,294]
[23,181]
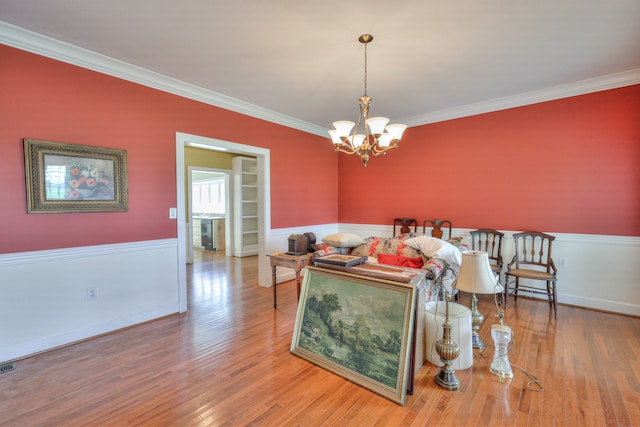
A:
[209,210]
[262,156]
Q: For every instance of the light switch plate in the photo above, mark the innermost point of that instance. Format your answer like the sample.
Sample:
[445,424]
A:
[173,213]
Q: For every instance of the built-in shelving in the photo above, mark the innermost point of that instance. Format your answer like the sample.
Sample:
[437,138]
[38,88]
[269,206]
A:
[245,182]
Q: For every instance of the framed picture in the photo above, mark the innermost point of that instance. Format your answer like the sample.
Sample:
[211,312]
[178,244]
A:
[74,178]
[357,327]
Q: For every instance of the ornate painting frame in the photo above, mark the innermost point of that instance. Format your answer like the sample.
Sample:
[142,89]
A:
[358,327]
[63,177]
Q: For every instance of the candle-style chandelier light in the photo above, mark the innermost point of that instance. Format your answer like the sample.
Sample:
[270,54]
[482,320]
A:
[376,137]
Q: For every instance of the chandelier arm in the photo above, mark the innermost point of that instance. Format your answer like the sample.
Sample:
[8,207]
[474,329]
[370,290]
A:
[378,151]
[364,103]
[348,150]
[357,126]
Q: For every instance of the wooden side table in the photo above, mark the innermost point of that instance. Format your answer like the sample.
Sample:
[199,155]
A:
[296,262]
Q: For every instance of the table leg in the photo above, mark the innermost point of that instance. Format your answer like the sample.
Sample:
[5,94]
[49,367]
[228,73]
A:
[273,280]
[298,283]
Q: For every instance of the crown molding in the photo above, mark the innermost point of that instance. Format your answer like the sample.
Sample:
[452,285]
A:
[65,52]
[582,87]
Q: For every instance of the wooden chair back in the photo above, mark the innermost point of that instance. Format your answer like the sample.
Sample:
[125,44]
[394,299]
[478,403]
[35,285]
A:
[436,225]
[533,248]
[490,241]
[405,225]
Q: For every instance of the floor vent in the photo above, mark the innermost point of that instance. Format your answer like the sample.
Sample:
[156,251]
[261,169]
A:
[7,367]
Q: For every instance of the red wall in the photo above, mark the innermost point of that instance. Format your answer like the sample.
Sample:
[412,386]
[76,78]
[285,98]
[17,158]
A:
[45,99]
[569,166]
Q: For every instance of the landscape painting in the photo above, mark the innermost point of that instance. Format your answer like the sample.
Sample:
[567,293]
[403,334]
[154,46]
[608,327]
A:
[358,327]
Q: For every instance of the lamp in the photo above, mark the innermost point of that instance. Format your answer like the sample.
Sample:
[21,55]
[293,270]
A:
[476,277]
[501,335]
[448,351]
[374,140]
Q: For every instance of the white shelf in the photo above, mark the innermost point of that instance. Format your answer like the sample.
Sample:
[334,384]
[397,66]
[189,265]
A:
[245,224]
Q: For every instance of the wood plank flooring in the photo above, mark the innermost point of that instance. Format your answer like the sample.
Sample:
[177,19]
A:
[226,362]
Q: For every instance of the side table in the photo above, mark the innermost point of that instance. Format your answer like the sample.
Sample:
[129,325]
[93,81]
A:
[296,262]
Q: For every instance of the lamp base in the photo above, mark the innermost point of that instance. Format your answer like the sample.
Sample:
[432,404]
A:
[447,380]
[503,375]
[500,365]
[476,320]
[448,351]
[476,341]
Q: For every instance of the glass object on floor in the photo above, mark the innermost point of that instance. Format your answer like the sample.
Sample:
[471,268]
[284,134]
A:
[501,335]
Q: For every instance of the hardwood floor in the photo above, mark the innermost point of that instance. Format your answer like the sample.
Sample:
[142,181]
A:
[227,362]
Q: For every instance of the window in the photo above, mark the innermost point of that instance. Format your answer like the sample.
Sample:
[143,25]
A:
[209,196]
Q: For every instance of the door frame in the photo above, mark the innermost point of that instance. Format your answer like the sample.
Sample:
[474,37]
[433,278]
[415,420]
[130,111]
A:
[263,157]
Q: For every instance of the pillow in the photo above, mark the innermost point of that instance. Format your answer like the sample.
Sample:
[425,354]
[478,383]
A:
[343,240]
[374,246]
[368,248]
[403,261]
[432,247]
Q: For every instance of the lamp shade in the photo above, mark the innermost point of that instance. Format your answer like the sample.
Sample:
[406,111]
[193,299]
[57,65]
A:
[476,275]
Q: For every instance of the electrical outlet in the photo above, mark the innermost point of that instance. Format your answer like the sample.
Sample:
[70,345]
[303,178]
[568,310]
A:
[92,293]
[563,262]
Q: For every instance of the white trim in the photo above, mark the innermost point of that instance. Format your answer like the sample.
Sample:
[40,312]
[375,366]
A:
[611,81]
[34,257]
[46,46]
[29,41]
[367,230]
[599,239]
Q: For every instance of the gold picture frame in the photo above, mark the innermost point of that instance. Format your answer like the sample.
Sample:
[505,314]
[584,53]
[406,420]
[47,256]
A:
[358,327]
[63,177]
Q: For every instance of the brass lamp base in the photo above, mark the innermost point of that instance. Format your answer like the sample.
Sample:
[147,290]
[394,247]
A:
[447,380]
[476,320]
[448,351]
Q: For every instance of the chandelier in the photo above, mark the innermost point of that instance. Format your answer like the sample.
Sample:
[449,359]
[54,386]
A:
[377,137]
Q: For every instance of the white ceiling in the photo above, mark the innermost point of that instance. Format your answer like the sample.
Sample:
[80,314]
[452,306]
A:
[430,60]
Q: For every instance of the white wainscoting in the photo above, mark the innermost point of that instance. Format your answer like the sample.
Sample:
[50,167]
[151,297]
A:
[44,293]
[602,272]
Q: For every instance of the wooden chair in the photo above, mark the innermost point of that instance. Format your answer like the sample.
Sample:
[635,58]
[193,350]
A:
[490,241]
[437,227]
[532,260]
[404,224]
